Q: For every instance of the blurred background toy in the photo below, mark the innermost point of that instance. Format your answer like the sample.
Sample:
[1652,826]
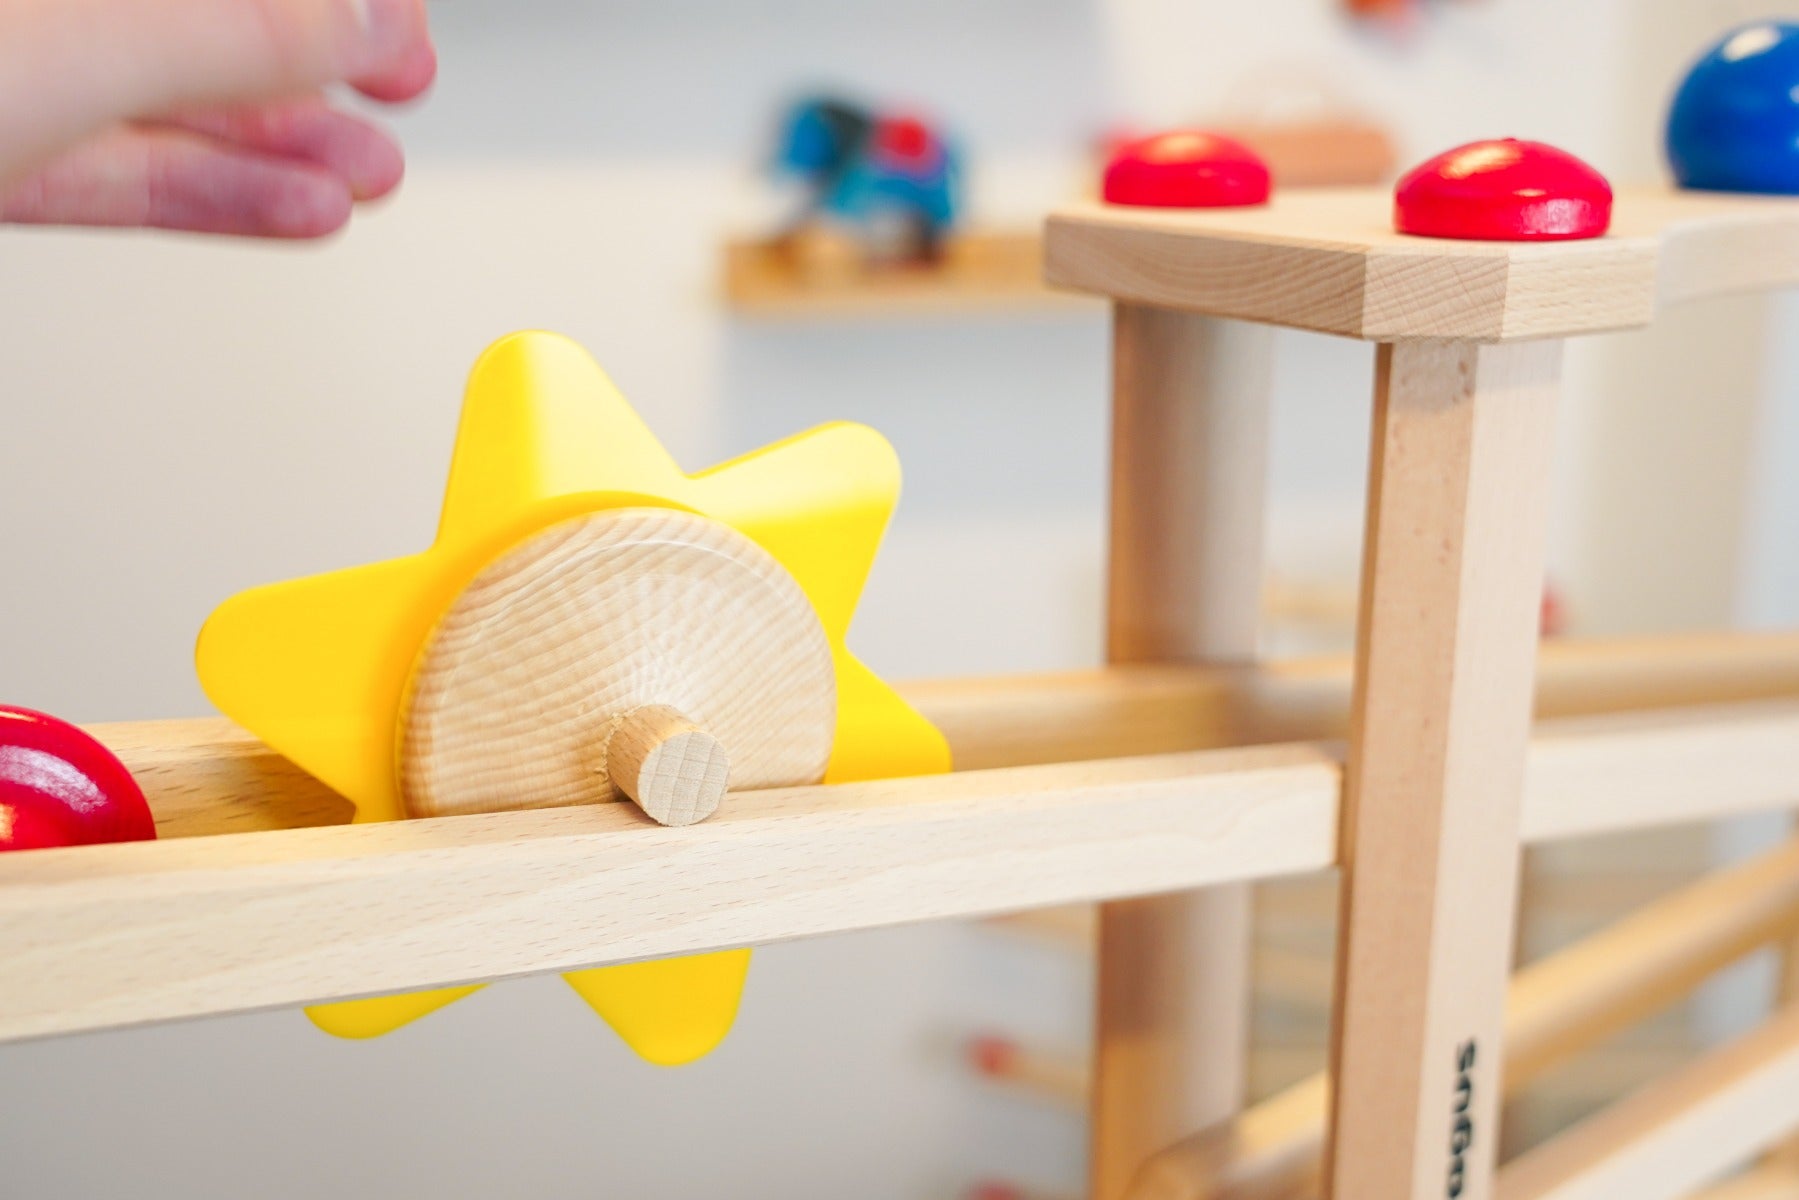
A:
[880,226]
[891,178]
[1393,16]
[1309,126]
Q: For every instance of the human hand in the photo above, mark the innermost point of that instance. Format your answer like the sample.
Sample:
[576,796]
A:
[201,115]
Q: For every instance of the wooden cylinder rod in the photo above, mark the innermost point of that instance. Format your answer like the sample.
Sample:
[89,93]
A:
[1568,1000]
[1190,411]
[1032,1072]
[674,770]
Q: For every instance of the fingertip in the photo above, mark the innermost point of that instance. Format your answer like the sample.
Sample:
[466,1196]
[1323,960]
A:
[308,131]
[306,204]
[381,174]
[407,78]
[368,160]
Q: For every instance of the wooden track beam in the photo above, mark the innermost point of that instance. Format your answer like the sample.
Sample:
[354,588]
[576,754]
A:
[205,775]
[121,934]
[104,936]
[1678,1132]
[1566,1001]
[1783,1160]
[1162,708]
[1768,1182]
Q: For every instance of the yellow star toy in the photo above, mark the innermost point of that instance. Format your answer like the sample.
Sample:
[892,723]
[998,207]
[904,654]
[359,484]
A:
[590,624]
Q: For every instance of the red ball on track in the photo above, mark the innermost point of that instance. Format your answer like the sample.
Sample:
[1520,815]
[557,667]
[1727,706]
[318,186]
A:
[1504,191]
[1186,168]
[61,787]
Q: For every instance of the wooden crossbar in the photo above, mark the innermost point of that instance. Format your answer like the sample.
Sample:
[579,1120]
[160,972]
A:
[118,935]
[1678,1132]
[1160,709]
[1570,999]
[1772,1182]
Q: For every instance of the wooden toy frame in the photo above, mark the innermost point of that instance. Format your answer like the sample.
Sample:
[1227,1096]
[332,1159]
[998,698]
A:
[1162,784]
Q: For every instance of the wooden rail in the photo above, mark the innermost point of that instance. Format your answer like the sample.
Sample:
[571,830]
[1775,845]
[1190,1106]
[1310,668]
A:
[1679,1132]
[119,935]
[1770,1182]
[1556,1006]
[1126,710]
[206,776]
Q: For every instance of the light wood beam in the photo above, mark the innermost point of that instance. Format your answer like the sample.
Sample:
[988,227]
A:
[1452,578]
[1189,454]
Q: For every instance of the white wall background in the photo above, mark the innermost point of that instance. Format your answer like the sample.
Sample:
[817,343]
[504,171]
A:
[179,420]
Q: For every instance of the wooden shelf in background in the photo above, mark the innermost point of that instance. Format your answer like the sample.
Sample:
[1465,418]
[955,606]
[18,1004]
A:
[981,272]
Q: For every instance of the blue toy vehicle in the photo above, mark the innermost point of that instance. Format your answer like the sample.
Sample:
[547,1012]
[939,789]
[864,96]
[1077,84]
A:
[892,177]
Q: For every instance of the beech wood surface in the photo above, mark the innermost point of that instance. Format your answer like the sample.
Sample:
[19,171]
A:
[1330,260]
[1190,412]
[1452,580]
[100,936]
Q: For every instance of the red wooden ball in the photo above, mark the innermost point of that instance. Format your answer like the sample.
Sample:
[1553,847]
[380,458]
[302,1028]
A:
[1186,168]
[1504,191]
[60,787]
[30,824]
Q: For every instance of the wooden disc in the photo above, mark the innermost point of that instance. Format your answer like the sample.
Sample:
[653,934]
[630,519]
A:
[519,688]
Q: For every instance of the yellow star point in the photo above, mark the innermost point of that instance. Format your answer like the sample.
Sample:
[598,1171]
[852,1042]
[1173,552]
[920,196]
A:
[319,667]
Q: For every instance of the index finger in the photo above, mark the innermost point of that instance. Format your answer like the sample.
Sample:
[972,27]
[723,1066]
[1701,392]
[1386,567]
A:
[68,67]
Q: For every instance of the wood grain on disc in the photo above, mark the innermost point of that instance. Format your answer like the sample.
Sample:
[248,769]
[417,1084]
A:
[517,691]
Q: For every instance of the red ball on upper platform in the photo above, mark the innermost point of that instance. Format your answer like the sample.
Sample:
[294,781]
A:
[1186,168]
[1504,191]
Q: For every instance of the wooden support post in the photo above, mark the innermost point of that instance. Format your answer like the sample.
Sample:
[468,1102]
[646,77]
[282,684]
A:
[1189,455]
[1452,575]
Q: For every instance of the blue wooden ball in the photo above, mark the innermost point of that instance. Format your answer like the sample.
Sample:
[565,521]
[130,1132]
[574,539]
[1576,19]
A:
[1734,126]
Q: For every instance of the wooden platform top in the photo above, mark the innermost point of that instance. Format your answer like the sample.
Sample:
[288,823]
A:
[1329,260]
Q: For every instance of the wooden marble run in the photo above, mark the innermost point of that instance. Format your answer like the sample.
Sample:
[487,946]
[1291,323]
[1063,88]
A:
[593,625]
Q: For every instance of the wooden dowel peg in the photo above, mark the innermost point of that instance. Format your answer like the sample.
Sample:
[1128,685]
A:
[1060,1080]
[674,770]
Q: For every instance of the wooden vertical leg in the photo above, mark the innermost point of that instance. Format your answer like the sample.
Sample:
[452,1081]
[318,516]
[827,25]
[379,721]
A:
[1452,574]
[1189,455]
